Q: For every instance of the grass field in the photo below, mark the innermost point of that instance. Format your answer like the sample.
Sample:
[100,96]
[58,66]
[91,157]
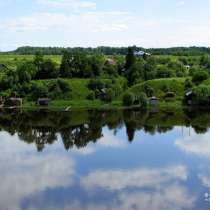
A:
[11,61]
[160,85]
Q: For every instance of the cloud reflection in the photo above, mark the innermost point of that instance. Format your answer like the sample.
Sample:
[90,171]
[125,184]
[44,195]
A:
[24,173]
[195,144]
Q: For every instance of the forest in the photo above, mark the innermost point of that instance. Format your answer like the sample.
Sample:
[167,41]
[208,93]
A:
[106,76]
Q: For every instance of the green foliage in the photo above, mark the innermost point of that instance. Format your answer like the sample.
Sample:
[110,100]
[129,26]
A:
[142,100]
[39,90]
[188,84]
[201,95]
[200,76]
[128,99]
[91,96]
[130,59]
[161,87]
[165,72]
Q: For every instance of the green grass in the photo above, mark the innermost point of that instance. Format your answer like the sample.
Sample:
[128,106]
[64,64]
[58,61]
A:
[11,61]
[79,87]
[160,85]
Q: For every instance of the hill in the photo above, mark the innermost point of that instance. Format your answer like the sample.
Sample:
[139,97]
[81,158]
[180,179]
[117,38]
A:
[161,86]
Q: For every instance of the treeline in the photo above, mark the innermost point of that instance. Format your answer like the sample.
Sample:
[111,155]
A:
[177,51]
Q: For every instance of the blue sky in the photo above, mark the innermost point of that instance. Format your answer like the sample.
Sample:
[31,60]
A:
[147,23]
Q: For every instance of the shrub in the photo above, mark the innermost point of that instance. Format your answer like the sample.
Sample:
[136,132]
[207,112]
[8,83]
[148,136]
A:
[200,76]
[39,91]
[202,95]
[91,96]
[109,95]
[142,100]
[128,99]
[188,84]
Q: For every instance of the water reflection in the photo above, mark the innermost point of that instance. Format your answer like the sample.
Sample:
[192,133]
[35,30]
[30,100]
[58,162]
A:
[104,160]
[80,128]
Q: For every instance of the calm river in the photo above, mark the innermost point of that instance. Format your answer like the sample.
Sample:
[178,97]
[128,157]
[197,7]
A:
[98,160]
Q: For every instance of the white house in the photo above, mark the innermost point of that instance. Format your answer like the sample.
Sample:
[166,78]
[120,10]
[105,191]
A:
[141,53]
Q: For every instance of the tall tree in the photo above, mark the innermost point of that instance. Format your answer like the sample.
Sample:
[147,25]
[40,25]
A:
[130,59]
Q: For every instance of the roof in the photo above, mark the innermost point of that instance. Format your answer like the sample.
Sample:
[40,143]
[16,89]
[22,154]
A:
[188,92]
[141,53]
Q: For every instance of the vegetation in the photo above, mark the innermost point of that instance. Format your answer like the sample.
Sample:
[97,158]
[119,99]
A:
[106,75]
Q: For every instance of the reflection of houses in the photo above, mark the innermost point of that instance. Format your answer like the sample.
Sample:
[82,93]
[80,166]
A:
[153,101]
[43,101]
[189,97]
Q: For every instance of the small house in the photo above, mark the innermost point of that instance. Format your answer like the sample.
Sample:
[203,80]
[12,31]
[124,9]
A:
[141,54]
[153,101]
[43,101]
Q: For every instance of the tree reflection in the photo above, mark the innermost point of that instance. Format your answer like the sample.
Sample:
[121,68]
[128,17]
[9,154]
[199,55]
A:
[79,128]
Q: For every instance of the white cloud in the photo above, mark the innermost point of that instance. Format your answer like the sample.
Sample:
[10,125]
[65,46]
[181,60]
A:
[24,173]
[143,177]
[172,197]
[195,144]
[75,4]
[90,22]
[164,192]
[181,3]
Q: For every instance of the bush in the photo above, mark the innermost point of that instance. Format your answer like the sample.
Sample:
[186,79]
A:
[91,96]
[39,91]
[200,76]
[202,95]
[142,100]
[188,84]
[109,95]
[128,99]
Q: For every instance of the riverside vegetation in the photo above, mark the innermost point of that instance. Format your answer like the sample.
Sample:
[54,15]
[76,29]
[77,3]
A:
[106,77]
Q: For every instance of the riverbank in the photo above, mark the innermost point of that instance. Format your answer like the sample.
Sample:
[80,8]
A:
[66,105]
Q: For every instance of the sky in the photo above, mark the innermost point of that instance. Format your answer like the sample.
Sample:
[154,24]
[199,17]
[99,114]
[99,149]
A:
[91,23]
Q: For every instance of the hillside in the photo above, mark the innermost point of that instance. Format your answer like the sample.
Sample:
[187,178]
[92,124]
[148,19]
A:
[161,86]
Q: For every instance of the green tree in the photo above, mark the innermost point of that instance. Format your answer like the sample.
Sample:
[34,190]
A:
[130,59]
[200,76]
[128,99]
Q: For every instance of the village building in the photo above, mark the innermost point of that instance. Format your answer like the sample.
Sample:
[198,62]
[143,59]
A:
[141,54]
[43,101]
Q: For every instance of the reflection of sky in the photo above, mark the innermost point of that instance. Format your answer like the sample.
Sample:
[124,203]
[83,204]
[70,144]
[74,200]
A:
[167,171]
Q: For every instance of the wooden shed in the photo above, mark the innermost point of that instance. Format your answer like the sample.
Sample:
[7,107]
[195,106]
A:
[43,101]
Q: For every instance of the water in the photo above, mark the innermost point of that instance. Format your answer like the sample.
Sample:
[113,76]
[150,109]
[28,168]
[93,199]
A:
[112,160]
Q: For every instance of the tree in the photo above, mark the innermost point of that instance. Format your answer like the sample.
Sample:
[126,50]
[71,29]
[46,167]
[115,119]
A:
[135,73]
[130,59]
[39,90]
[188,84]
[200,76]
[26,71]
[128,99]
[38,60]
[47,70]
[202,95]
